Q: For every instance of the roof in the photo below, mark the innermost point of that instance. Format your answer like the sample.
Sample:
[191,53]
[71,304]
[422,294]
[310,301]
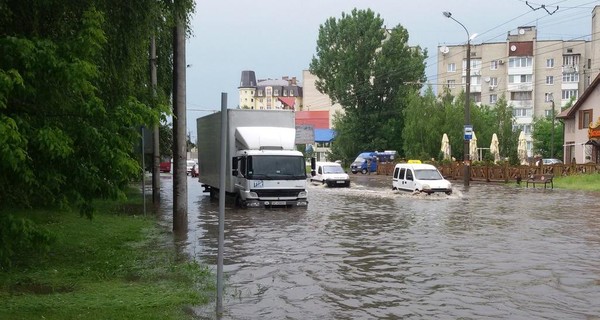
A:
[570,113]
[319,119]
[288,101]
[324,135]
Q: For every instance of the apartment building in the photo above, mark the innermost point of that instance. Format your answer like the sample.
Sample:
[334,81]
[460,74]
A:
[269,94]
[533,75]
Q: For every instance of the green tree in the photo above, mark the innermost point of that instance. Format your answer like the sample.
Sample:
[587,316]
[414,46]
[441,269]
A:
[371,72]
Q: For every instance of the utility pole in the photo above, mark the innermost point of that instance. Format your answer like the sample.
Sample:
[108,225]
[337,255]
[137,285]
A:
[156,136]
[179,123]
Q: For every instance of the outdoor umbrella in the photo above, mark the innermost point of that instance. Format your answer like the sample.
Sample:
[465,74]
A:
[495,148]
[473,148]
[446,147]
[522,148]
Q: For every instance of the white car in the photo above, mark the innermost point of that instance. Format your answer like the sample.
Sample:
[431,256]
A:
[419,177]
[330,173]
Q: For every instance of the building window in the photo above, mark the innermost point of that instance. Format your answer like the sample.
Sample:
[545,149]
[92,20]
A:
[549,79]
[521,112]
[493,81]
[260,93]
[494,65]
[520,62]
[548,113]
[568,94]
[284,93]
[571,60]
[451,84]
[251,100]
[585,118]
[493,98]
[550,63]
[451,67]
[269,91]
[276,92]
[291,93]
[520,78]
[570,77]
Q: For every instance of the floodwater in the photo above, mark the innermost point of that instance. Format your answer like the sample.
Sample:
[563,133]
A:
[489,251]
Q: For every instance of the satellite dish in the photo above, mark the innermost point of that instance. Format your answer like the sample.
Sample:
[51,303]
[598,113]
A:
[444,49]
[487,79]
[521,31]
[513,48]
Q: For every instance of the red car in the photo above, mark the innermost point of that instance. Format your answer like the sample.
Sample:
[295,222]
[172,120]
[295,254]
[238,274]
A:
[165,166]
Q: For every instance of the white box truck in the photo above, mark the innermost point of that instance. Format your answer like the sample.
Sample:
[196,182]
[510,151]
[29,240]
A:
[263,167]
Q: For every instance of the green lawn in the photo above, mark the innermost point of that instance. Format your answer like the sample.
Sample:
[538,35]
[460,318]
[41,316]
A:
[587,182]
[116,266]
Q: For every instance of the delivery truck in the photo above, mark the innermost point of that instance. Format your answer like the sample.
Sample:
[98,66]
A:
[263,167]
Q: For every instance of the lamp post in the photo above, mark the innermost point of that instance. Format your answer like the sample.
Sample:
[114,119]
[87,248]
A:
[467,162]
[552,136]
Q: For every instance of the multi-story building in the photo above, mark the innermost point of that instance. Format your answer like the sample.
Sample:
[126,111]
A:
[533,75]
[269,94]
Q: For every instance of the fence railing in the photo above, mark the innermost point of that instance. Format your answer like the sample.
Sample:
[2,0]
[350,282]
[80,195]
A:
[502,173]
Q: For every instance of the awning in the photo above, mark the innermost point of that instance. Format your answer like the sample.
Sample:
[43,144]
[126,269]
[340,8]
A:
[288,101]
[593,142]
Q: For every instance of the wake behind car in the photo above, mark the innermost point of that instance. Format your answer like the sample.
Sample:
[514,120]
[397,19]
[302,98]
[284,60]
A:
[330,173]
[419,177]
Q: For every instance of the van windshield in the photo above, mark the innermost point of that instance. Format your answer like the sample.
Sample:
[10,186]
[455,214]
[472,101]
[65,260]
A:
[428,174]
[332,169]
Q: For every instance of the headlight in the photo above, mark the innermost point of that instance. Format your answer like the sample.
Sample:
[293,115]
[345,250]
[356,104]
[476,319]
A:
[302,194]
[426,187]
[252,195]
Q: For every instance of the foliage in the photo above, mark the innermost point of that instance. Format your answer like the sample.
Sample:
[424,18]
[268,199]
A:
[370,71]
[120,265]
[74,88]
[21,236]
[542,137]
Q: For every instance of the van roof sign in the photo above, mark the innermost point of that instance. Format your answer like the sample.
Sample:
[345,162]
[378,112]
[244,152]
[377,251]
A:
[414,161]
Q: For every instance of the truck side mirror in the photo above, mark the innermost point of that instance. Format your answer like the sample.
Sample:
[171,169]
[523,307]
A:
[313,166]
[234,166]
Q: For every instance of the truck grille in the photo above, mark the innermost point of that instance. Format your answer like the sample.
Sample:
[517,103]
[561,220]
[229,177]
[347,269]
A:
[277,192]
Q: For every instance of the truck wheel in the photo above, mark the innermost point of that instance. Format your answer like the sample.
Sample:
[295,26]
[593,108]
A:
[364,171]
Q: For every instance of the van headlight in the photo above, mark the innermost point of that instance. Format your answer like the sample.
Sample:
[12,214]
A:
[426,187]
[302,194]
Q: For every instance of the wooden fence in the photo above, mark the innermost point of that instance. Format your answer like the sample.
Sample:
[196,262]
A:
[501,173]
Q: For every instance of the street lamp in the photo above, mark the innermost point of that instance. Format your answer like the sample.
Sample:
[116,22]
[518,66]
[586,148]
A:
[467,172]
[551,98]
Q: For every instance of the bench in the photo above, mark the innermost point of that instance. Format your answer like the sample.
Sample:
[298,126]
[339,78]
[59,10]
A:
[540,178]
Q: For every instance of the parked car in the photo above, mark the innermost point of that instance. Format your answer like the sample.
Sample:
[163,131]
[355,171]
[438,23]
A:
[165,166]
[330,173]
[190,165]
[551,161]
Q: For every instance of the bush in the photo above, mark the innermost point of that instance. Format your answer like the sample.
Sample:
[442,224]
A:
[21,236]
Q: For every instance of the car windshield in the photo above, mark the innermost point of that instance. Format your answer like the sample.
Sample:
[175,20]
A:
[428,174]
[359,159]
[332,169]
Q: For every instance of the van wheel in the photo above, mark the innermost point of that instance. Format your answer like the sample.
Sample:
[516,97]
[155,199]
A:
[448,192]
[364,171]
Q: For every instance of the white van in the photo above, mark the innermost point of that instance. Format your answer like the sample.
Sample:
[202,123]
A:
[419,177]
[331,173]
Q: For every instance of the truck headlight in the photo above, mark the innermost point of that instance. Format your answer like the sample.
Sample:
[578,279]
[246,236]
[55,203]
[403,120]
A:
[302,194]
[252,195]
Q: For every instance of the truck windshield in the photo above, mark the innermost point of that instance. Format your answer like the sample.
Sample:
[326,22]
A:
[428,174]
[276,167]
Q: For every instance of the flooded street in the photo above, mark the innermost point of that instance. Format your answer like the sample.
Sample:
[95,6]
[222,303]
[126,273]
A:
[367,252]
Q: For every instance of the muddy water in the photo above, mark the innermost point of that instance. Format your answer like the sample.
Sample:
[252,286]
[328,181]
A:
[367,252]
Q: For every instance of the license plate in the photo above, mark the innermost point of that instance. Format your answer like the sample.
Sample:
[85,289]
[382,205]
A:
[341,181]
[278,203]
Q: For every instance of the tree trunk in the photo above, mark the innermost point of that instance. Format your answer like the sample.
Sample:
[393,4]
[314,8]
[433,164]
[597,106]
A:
[179,126]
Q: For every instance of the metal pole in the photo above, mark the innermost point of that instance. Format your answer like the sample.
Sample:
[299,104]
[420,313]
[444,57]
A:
[552,139]
[156,136]
[467,162]
[143,171]
[222,176]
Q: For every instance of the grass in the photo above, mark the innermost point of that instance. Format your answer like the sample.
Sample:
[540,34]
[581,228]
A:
[116,266]
[586,182]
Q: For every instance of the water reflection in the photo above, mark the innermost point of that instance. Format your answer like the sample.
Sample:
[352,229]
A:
[367,252]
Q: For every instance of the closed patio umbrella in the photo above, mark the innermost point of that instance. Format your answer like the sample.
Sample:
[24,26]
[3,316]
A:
[522,149]
[495,148]
[473,148]
[446,147]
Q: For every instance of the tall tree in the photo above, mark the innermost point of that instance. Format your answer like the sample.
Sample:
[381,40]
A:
[370,71]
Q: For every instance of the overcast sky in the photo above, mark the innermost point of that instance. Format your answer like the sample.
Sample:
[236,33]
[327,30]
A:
[278,38]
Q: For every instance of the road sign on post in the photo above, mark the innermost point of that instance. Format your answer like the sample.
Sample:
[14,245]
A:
[468,132]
